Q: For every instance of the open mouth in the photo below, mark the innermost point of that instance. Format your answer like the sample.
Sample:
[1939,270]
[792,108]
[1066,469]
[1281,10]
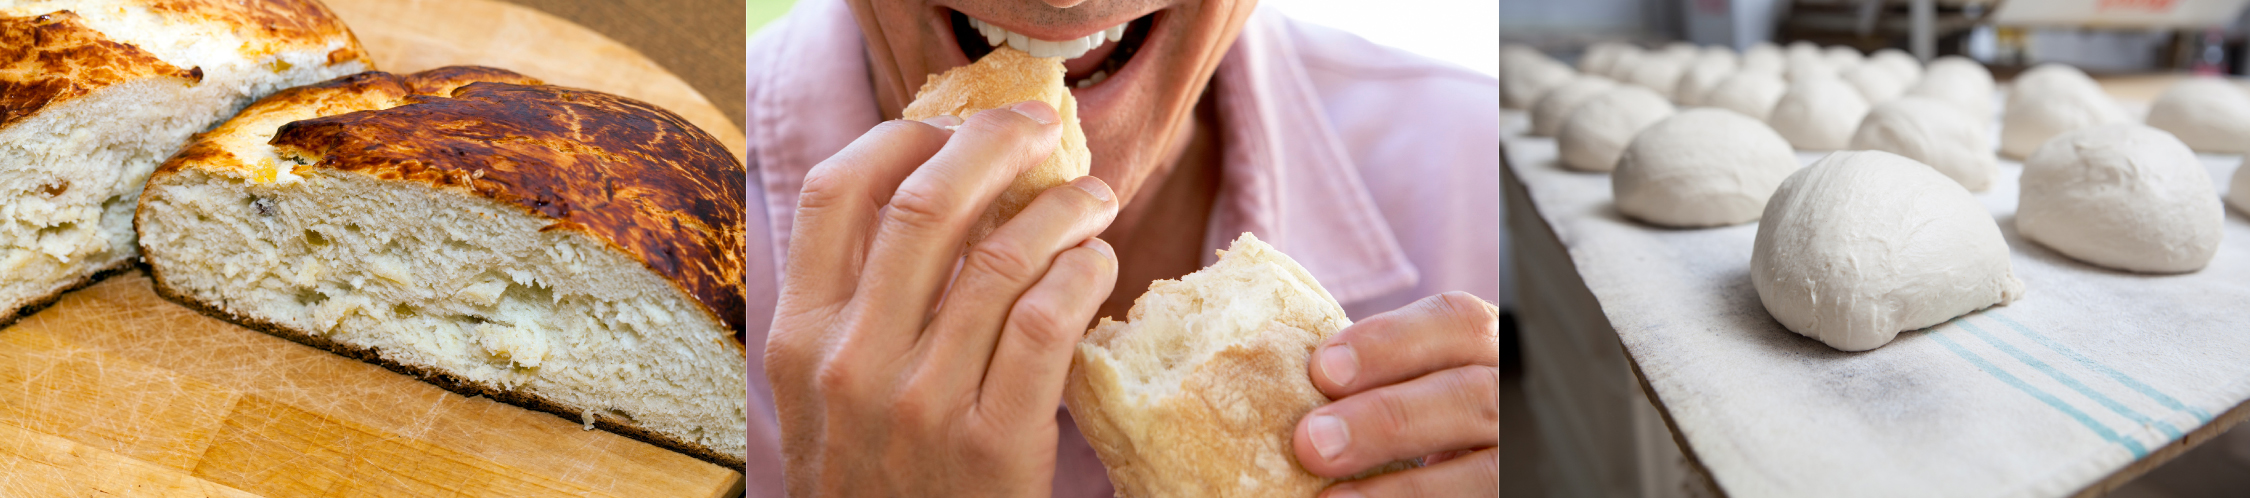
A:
[1088,61]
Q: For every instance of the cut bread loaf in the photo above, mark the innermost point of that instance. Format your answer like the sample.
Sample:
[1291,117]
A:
[559,249]
[94,94]
[1002,78]
[1198,393]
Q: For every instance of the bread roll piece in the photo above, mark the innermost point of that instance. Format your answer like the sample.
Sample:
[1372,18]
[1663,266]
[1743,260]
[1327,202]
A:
[1198,393]
[1005,77]
[93,94]
[559,249]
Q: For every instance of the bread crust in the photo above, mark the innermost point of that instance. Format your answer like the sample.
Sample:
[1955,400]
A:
[449,382]
[55,57]
[1004,77]
[637,177]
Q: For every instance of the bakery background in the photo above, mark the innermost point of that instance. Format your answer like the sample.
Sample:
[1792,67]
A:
[114,390]
[1583,415]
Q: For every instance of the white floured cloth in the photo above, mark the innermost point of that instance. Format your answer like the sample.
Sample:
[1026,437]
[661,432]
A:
[2090,371]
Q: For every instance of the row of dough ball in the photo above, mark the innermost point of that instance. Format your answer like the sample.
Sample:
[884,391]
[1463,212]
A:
[2118,195]
[1862,245]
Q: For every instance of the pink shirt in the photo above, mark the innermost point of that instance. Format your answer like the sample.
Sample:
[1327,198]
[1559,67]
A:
[1376,169]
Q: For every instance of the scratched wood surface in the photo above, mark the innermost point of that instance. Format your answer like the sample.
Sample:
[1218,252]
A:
[114,391]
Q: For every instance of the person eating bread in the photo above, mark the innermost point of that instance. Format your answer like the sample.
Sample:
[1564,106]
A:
[946,195]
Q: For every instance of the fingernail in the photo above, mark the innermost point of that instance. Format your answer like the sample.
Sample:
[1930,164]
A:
[1101,246]
[1093,186]
[1340,363]
[1328,435]
[945,121]
[1036,110]
[1343,491]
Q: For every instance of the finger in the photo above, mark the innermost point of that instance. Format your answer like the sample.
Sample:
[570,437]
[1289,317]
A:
[1003,266]
[837,205]
[922,227]
[1439,332]
[1477,474]
[1452,409]
[1032,361]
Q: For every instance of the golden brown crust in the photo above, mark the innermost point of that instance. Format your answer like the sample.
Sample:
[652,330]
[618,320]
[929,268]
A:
[51,58]
[449,382]
[270,26]
[625,172]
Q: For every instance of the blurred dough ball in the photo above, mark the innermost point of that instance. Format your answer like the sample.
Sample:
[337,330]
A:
[1818,114]
[1751,93]
[2123,196]
[1875,83]
[2209,114]
[1709,67]
[1598,130]
[1764,57]
[1525,74]
[1958,81]
[1699,168]
[1548,115]
[2049,100]
[1908,68]
[1933,132]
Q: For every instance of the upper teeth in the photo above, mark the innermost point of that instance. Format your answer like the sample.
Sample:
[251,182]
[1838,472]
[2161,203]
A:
[1067,49]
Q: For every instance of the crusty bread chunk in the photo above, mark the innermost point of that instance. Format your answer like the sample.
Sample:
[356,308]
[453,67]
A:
[93,94]
[1002,78]
[560,249]
[1198,393]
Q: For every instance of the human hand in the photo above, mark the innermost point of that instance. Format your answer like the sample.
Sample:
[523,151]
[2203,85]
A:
[892,374]
[1419,381]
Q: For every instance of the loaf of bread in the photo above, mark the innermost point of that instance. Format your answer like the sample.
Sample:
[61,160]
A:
[1002,78]
[1199,391]
[559,249]
[93,94]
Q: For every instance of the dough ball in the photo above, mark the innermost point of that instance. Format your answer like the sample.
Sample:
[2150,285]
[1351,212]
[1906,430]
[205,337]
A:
[1875,83]
[1905,66]
[1750,93]
[1525,74]
[1680,50]
[1806,62]
[1601,56]
[1621,69]
[1934,133]
[2052,99]
[1660,72]
[2209,114]
[1842,57]
[1598,130]
[2238,191]
[2123,196]
[1547,116]
[1702,167]
[1709,68]
[1958,81]
[1864,244]
[1818,114]
[1764,57]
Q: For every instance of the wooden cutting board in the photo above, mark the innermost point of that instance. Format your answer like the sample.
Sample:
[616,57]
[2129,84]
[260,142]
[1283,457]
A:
[115,391]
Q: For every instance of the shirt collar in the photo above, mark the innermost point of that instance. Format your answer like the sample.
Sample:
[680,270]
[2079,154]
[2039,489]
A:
[1286,175]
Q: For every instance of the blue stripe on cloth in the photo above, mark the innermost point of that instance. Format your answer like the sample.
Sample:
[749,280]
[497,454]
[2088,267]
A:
[2067,381]
[2200,415]
[2052,401]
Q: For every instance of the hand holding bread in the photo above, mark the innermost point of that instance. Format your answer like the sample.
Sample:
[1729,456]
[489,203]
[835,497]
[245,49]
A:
[1422,381]
[892,374]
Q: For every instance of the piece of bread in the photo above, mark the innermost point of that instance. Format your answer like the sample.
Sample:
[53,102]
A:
[1198,393]
[559,249]
[1004,77]
[93,94]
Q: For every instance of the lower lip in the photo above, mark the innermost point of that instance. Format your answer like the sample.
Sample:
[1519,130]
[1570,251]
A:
[1100,94]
